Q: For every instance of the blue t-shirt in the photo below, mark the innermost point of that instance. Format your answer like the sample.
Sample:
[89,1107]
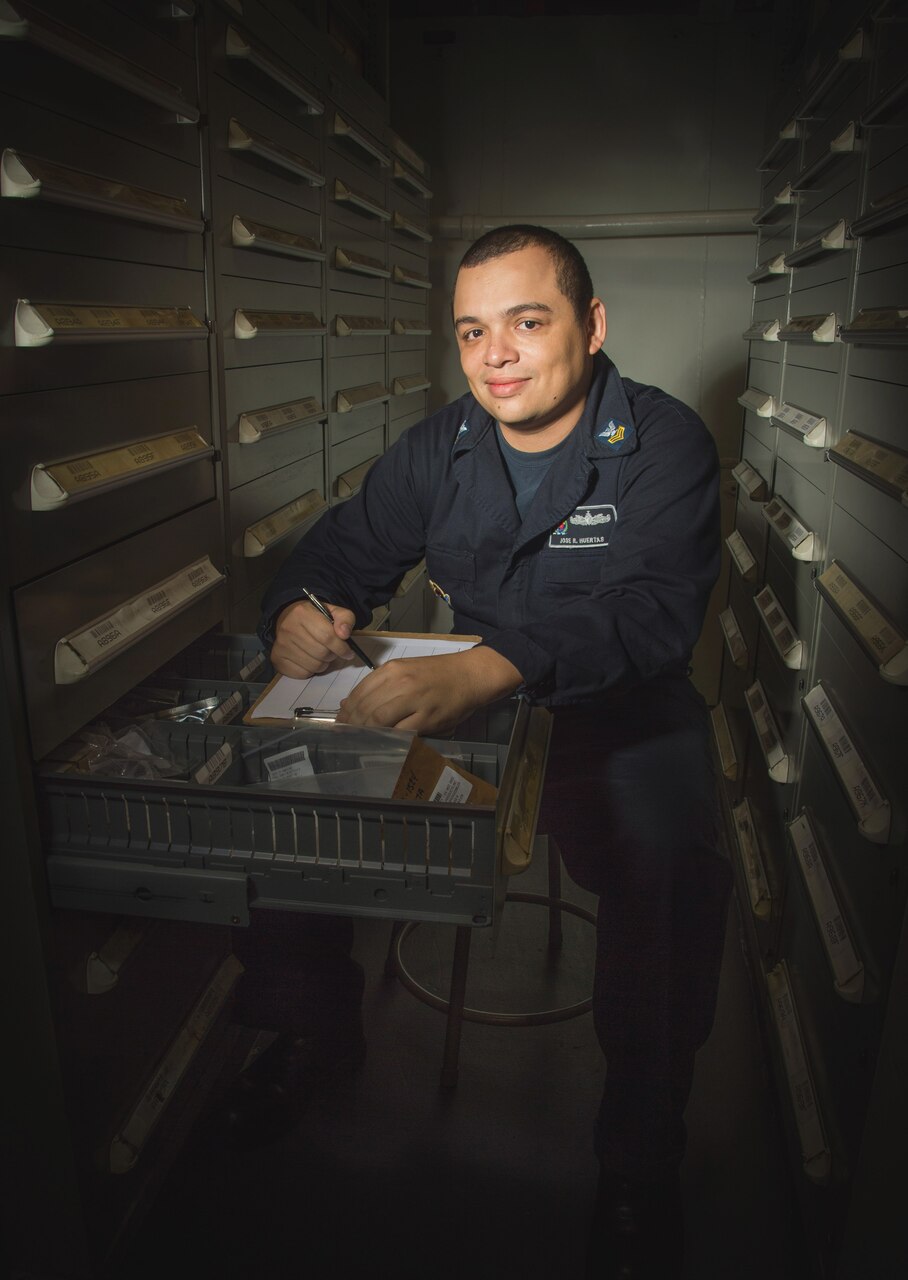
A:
[526,470]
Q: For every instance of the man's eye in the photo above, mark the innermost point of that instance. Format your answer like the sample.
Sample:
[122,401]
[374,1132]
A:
[530,324]
[469,334]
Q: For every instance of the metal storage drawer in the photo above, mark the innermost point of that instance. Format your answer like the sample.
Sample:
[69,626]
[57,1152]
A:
[265,258]
[298,342]
[275,55]
[272,176]
[175,23]
[350,320]
[31,74]
[59,278]
[255,560]
[114,228]
[64,603]
[181,850]
[397,426]
[346,458]
[44,428]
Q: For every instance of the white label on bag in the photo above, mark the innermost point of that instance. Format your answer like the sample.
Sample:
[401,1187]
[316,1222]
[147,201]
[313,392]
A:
[228,710]
[289,764]
[833,929]
[215,766]
[451,788]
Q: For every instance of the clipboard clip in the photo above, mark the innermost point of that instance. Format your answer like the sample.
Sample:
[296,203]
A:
[307,714]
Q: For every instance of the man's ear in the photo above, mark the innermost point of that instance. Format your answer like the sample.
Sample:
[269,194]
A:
[597,325]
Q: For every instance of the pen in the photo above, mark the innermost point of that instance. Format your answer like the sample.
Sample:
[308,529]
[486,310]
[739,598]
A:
[326,613]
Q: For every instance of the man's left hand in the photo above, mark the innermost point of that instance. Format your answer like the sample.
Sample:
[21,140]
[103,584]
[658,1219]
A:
[430,695]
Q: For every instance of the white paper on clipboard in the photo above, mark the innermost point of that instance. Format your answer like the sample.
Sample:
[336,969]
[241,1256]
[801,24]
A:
[324,692]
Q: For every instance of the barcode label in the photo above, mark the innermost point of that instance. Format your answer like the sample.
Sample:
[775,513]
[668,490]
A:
[252,666]
[215,766]
[861,791]
[878,636]
[228,710]
[289,764]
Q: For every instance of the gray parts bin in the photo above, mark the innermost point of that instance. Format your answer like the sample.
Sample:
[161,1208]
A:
[213,851]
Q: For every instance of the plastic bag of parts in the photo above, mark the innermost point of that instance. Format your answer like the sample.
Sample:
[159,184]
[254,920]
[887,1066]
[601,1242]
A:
[334,759]
[127,753]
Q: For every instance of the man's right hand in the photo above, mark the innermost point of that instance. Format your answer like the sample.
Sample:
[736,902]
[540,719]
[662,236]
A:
[306,643]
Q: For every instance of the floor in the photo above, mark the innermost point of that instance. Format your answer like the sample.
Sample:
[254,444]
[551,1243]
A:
[389,1175]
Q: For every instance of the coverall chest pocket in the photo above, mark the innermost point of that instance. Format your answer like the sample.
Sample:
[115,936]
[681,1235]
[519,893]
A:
[452,575]
[574,568]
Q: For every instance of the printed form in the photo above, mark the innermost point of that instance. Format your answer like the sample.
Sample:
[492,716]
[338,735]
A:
[324,692]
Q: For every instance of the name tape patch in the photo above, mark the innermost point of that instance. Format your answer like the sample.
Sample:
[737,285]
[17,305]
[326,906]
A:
[585,527]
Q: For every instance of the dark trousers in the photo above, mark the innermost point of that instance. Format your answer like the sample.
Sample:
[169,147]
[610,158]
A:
[630,799]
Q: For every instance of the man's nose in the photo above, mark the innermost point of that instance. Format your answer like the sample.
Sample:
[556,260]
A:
[499,350]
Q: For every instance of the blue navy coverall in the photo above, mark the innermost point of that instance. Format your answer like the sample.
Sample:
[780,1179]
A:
[597,597]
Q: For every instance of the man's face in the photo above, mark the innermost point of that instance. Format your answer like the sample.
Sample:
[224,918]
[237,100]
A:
[525,352]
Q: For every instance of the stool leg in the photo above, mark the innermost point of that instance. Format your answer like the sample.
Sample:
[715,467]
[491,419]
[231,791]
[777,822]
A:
[458,995]
[556,935]
[391,957]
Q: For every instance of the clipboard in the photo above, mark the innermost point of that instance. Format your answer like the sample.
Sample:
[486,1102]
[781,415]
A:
[457,642]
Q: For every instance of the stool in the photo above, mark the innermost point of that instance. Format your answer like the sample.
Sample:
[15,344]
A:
[454,1006]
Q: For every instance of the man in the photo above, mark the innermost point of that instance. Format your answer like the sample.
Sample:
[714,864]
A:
[570,517]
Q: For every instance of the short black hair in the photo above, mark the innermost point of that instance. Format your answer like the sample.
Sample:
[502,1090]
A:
[571,272]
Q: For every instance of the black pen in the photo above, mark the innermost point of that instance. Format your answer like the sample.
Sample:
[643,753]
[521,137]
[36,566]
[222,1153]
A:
[326,613]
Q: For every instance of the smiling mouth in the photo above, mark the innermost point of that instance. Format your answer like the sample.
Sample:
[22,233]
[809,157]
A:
[507,386]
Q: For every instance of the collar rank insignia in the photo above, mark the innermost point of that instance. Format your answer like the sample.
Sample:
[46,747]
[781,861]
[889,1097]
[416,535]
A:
[614,433]
[462,429]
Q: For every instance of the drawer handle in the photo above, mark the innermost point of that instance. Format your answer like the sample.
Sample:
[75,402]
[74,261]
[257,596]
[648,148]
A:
[239,48]
[361,397]
[781,633]
[752,862]
[39,323]
[874,630]
[810,428]
[833,240]
[20,22]
[768,270]
[84,652]
[350,481]
[742,556]
[801,541]
[410,383]
[869,806]
[351,326]
[406,152]
[844,961]
[248,142]
[728,760]
[55,484]
[246,233]
[840,149]
[404,328]
[405,178]
[401,275]
[885,213]
[358,139]
[878,326]
[360,263]
[787,137]
[257,423]
[276,324]
[749,480]
[415,230]
[815,1155]
[759,402]
[886,105]
[361,203]
[782,202]
[815,328]
[262,536]
[734,638]
[779,764]
[28,177]
[762,331]
[881,465]
[853,51]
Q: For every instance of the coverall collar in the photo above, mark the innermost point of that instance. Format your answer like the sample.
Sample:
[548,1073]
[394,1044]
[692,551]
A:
[605,428]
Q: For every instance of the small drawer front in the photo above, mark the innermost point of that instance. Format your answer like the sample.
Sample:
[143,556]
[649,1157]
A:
[255,502]
[356,264]
[260,58]
[107,73]
[347,458]
[763,374]
[267,346]
[350,372]
[356,142]
[883,288]
[65,602]
[356,201]
[176,22]
[284,390]
[358,324]
[45,277]
[99,419]
[111,226]
[829,265]
[268,152]
[398,425]
[876,409]
[361,105]
[251,230]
